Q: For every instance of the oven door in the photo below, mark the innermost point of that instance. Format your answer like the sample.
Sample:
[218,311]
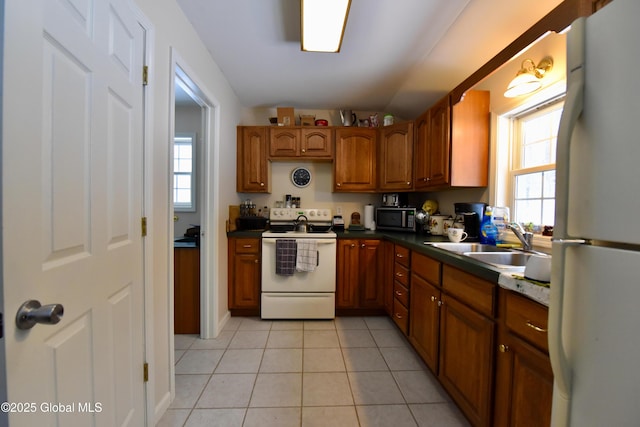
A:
[322,279]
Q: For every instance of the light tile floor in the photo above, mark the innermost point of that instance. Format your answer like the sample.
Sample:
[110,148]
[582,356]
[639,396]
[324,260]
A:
[351,371]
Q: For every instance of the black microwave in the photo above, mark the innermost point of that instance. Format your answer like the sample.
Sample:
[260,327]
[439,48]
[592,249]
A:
[398,219]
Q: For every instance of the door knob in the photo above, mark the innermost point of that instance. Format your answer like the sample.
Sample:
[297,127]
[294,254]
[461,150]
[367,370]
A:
[32,312]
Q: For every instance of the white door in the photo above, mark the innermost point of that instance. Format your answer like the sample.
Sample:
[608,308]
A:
[72,203]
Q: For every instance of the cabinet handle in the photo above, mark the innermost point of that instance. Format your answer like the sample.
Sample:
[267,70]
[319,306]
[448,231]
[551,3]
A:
[398,293]
[534,327]
[353,245]
[256,261]
[338,184]
[304,151]
[503,348]
[363,245]
[262,184]
[440,303]
[433,299]
[246,246]
[399,256]
[398,316]
[399,274]
[408,182]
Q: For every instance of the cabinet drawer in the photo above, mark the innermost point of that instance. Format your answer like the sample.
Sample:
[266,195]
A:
[473,291]
[528,319]
[402,255]
[427,268]
[401,274]
[401,316]
[401,293]
[247,246]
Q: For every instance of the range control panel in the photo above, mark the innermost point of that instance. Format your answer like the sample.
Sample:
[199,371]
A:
[290,214]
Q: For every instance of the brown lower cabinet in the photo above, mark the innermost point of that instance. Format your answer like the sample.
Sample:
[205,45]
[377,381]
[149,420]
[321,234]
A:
[487,346]
[359,276]
[244,276]
[466,359]
[524,379]
[186,290]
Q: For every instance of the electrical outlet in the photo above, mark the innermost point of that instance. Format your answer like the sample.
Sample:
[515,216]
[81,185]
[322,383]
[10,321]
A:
[339,210]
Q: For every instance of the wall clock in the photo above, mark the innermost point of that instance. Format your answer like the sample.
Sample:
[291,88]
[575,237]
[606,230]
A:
[301,177]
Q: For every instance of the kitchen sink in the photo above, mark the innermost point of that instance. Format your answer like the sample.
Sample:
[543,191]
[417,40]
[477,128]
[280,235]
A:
[509,260]
[465,248]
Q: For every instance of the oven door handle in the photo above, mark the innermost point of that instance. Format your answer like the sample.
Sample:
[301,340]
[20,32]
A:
[319,242]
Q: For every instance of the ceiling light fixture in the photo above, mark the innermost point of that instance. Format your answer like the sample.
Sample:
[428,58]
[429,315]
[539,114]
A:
[527,79]
[322,24]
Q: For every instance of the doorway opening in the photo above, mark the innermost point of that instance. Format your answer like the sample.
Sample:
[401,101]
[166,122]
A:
[192,202]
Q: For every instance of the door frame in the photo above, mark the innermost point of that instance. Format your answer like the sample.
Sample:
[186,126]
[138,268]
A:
[148,31]
[209,204]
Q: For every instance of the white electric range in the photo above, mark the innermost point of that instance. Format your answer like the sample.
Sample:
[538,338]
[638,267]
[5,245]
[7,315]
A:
[288,292]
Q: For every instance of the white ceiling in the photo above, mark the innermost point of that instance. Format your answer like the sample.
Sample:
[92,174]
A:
[397,56]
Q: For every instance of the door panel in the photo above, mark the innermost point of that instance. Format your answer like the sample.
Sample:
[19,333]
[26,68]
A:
[72,202]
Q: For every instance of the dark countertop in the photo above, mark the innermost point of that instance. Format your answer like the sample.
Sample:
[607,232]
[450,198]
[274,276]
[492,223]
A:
[415,242]
[183,245]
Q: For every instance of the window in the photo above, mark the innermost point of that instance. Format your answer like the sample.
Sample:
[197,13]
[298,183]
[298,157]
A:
[184,173]
[532,172]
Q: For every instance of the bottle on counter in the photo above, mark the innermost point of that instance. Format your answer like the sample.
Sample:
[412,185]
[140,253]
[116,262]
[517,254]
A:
[488,230]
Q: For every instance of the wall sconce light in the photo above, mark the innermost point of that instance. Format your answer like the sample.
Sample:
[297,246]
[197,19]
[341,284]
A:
[527,79]
[322,24]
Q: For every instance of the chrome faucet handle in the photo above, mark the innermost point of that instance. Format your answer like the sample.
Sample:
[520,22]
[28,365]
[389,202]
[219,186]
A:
[525,237]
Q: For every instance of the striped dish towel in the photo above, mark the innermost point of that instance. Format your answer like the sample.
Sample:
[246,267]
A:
[285,257]
[307,258]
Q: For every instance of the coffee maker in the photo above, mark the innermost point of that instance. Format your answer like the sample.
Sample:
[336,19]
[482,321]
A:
[471,214]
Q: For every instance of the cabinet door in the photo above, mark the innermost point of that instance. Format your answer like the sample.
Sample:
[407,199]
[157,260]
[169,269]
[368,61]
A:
[524,384]
[186,291]
[425,320]
[246,274]
[422,153]
[252,166]
[439,143]
[466,359]
[396,157]
[354,168]
[284,142]
[317,143]
[348,253]
[370,286]
[470,140]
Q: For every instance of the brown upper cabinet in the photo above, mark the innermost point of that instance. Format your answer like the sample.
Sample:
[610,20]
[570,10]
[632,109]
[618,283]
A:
[253,171]
[289,143]
[354,168]
[452,143]
[396,157]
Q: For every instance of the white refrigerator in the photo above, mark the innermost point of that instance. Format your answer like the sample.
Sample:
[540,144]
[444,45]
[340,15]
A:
[594,309]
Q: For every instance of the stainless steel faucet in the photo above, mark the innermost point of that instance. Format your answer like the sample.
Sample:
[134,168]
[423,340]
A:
[525,237]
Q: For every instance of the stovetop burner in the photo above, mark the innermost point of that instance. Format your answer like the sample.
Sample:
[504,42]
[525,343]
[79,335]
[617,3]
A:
[283,223]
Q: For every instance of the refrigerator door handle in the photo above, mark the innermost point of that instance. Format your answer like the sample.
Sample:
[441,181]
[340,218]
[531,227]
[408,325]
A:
[572,109]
